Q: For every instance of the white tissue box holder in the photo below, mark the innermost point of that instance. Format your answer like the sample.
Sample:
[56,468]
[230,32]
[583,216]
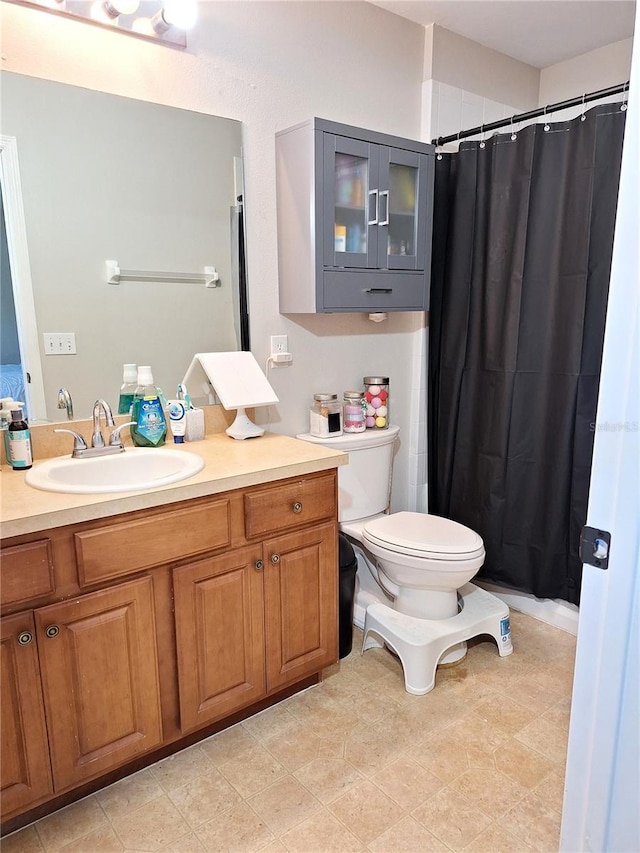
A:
[194,426]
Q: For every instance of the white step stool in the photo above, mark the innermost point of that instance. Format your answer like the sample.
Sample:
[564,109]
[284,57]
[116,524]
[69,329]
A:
[420,643]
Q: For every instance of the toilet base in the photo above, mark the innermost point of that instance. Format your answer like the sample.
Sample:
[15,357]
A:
[421,643]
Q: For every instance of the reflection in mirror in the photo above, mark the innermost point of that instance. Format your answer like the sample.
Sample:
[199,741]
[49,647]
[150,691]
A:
[154,188]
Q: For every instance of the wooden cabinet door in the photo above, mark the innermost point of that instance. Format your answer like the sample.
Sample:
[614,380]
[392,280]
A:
[26,773]
[219,635]
[100,680]
[301,604]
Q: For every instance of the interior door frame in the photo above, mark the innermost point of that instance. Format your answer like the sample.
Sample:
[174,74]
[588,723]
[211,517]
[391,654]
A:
[602,775]
[11,188]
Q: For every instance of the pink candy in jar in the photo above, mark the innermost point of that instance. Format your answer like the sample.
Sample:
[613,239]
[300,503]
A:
[376,396]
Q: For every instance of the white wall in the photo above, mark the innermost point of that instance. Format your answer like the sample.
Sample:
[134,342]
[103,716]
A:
[271,65]
[598,69]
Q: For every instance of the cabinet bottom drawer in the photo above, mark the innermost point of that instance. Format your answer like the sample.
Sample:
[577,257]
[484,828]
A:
[360,290]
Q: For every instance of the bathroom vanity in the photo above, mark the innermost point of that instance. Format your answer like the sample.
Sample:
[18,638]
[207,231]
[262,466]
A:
[134,625]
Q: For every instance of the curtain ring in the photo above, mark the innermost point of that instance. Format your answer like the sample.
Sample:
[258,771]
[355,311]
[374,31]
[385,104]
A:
[438,153]
[482,142]
[514,135]
[583,116]
[547,126]
[625,95]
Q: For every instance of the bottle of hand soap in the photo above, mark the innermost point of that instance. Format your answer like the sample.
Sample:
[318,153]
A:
[150,425]
[127,389]
[18,442]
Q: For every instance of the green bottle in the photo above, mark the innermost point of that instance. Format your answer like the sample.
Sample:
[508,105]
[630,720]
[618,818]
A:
[150,425]
[127,389]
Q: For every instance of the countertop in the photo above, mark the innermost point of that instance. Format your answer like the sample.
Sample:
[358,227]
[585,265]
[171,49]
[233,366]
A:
[229,464]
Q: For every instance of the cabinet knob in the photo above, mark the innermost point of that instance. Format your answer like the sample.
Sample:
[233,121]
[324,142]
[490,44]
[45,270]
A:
[259,565]
[275,559]
[24,638]
[51,631]
[297,506]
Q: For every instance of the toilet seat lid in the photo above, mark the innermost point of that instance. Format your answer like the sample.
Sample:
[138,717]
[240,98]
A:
[422,534]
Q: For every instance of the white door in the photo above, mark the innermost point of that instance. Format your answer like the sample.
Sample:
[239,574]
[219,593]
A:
[602,788]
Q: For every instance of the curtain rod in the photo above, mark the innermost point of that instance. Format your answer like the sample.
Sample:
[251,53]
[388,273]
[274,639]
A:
[518,117]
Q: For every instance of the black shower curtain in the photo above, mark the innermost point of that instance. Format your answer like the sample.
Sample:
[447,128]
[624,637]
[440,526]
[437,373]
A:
[523,237]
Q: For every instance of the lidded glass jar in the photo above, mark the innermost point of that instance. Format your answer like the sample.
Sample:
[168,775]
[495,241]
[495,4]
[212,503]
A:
[354,412]
[376,395]
[325,416]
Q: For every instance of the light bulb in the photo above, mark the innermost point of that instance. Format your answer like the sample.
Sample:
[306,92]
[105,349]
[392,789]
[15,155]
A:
[100,14]
[113,8]
[179,13]
[142,26]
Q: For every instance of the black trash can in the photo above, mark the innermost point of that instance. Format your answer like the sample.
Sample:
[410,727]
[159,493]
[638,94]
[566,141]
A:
[348,567]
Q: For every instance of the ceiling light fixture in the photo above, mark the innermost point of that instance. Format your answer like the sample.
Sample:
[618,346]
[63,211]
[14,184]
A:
[163,21]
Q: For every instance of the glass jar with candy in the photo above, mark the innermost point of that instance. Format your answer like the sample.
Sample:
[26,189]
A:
[376,395]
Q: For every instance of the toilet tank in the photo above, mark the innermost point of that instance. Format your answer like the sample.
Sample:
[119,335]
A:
[364,485]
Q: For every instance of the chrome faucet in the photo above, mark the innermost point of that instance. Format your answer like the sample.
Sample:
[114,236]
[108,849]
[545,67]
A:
[64,402]
[98,446]
[96,439]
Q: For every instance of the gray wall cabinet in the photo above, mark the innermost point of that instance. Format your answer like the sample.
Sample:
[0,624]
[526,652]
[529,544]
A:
[355,211]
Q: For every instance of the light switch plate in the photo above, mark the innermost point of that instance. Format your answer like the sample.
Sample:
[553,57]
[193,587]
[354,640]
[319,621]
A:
[59,343]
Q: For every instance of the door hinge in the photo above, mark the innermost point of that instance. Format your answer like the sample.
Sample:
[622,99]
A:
[594,547]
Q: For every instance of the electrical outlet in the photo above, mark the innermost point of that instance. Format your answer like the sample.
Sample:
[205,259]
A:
[59,343]
[279,344]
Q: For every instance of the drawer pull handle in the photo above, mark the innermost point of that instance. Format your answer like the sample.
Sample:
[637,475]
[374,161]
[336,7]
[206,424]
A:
[52,631]
[24,638]
[379,290]
[259,565]
[275,559]
[297,507]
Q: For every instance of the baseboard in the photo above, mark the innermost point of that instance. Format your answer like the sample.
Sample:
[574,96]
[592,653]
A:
[558,613]
[555,612]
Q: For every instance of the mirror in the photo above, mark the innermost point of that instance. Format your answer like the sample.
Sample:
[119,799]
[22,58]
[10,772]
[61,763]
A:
[155,188]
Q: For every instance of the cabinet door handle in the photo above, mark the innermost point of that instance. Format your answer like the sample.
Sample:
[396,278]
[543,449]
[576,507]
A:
[385,194]
[379,290]
[373,221]
[52,631]
[297,506]
[275,559]
[24,638]
[259,565]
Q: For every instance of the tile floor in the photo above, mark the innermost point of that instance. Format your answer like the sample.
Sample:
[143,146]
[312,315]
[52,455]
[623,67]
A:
[357,764]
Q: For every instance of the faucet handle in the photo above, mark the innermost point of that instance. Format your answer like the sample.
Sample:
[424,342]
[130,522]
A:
[114,439]
[78,441]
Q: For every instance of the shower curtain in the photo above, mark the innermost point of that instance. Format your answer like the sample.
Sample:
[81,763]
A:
[523,238]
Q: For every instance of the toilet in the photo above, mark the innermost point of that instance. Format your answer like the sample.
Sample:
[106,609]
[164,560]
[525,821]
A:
[413,592]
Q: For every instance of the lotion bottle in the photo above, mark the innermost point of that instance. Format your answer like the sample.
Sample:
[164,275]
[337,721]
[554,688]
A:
[150,426]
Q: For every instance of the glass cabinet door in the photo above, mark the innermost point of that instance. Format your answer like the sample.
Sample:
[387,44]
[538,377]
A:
[351,203]
[402,209]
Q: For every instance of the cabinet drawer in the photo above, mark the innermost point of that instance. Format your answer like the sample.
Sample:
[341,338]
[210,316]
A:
[27,572]
[360,290]
[134,545]
[290,504]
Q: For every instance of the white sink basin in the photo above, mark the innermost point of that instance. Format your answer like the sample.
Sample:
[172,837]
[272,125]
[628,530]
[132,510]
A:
[130,471]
